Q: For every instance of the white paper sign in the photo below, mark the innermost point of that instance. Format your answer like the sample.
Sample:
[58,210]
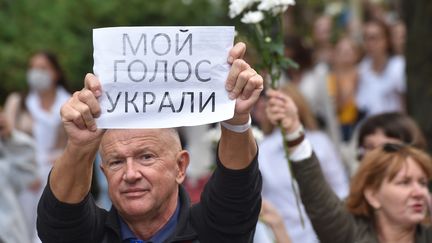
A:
[156,77]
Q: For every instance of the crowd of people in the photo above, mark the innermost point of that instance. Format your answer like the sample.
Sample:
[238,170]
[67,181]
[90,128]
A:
[359,162]
[349,96]
[34,116]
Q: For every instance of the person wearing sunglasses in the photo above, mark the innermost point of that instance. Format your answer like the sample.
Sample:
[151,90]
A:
[390,127]
[388,199]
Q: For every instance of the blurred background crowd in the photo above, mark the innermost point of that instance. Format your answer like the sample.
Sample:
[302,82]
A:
[364,80]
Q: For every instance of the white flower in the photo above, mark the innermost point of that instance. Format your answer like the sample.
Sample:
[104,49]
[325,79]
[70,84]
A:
[258,134]
[236,7]
[275,6]
[187,2]
[334,9]
[252,17]
[213,135]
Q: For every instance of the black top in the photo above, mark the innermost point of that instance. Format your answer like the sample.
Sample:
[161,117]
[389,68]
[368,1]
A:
[228,212]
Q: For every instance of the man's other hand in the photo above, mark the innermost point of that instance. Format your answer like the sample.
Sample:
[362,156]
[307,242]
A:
[79,112]
[243,84]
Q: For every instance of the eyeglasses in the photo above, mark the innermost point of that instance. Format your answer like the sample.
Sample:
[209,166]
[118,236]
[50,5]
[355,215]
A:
[387,147]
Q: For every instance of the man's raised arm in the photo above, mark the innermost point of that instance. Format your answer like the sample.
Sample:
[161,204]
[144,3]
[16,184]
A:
[237,146]
[70,177]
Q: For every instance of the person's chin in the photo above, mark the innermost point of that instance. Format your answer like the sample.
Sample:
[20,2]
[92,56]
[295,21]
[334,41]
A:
[417,218]
[135,209]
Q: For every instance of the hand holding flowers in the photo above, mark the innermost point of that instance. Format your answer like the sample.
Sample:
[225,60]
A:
[264,20]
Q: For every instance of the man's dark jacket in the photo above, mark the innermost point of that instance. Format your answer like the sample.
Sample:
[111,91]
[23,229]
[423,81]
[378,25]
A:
[228,212]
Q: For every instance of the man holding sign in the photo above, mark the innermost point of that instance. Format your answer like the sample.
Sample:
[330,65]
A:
[144,169]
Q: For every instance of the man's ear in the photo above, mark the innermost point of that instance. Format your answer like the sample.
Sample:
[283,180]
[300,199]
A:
[372,198]
[101,167]
[182,164]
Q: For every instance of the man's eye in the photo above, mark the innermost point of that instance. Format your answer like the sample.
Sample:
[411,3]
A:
[147,156]
[115,164]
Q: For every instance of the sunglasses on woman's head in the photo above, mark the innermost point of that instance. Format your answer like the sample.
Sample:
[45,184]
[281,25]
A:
[387,147]
[393,147]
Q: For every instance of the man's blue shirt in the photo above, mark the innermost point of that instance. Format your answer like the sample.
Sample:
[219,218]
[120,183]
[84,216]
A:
[129,237]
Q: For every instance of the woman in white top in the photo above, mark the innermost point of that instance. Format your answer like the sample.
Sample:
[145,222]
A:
[37,112]
[277,177]
[381,75]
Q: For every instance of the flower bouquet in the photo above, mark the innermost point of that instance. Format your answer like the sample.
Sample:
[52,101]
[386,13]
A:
[263,21]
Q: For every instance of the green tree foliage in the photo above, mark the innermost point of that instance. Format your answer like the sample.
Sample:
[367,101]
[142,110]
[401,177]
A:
[65,27]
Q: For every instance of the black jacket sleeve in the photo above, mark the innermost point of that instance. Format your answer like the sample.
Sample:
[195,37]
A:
[230,205]
[61,222]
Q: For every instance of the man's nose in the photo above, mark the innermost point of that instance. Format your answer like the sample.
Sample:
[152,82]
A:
[132,173]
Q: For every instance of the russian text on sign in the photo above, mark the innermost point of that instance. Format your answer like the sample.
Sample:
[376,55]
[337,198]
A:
[162,76]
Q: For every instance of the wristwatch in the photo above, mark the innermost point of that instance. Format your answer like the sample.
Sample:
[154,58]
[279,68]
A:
[295,138]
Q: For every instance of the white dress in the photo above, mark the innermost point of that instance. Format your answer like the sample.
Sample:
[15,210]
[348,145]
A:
[381,92]
[277,179]
[45,129]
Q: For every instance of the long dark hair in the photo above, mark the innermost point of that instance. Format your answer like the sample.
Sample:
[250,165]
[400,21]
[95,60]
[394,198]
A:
[53,60]
[385,30]
[61,77]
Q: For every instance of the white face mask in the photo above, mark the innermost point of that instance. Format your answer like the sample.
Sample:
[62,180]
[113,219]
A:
[39,79]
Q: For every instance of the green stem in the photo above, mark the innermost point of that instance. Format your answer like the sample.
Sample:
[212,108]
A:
[274,71]
[286,149]
[294,188]
[259,30]
[281,25]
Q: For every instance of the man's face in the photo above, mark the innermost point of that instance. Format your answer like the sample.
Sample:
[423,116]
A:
[143,169]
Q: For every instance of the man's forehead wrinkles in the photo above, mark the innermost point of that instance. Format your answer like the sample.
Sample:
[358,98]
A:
[138,139]
[137,142]
[128,142]
[127,138]
[118,145]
